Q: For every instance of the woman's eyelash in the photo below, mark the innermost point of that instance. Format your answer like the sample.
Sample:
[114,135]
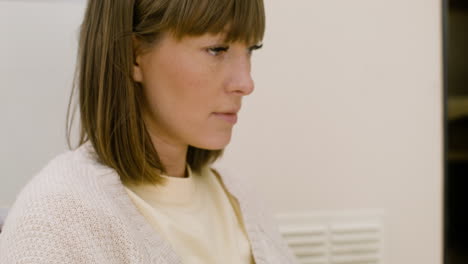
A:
[256,47]
[217,50]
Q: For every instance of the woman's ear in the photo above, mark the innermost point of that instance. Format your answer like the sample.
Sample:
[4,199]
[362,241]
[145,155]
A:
[137,73]
[137,70]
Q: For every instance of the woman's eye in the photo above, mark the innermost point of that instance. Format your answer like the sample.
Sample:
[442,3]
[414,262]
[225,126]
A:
[255,47]
[217,50]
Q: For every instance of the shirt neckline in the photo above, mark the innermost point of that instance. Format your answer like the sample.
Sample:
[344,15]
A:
[176,191]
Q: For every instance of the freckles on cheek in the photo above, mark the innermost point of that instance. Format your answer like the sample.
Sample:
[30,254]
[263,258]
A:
[190,85]
[186,85]
[184,99]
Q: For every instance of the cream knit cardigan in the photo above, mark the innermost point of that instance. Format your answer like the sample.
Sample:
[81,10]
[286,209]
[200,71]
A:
[77,211]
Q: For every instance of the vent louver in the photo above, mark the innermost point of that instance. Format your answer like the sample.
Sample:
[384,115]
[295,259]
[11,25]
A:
[335,237]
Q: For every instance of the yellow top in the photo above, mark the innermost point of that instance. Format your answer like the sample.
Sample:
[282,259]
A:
[197,216]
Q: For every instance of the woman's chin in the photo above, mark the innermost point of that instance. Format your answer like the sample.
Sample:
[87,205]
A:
[214,143]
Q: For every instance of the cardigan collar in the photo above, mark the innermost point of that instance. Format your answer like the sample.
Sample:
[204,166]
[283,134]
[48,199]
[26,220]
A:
[153,241]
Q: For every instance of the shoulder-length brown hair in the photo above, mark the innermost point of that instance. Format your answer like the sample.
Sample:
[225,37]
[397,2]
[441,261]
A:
[110,101]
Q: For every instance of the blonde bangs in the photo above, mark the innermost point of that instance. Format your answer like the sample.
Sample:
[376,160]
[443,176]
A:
[240,20]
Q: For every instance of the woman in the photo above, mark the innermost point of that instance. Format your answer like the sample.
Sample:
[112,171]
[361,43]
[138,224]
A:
[160,84]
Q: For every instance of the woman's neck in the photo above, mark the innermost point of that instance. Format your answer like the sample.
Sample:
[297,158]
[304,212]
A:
[172,156]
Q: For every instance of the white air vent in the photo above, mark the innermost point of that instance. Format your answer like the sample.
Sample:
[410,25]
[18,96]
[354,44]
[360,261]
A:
[335,237]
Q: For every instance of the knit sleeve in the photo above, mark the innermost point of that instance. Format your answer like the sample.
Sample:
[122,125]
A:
[38,232]
[60,228]
[31,243]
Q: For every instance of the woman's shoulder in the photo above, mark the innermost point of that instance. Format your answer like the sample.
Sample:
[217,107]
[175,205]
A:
[64,202]
[65,220]
[245,191]
[65,182]
[257,210]
[68,171]
[237,185]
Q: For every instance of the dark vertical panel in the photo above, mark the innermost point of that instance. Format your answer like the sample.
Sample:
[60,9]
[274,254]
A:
[456,131]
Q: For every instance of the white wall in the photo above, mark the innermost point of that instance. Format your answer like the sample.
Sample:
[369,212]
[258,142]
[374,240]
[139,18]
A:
[38,41]
[347,112]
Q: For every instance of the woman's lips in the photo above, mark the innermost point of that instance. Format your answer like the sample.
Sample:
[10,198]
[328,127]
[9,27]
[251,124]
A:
[228,117]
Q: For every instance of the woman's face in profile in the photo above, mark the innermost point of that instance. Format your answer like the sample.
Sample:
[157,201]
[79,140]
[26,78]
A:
[193,88]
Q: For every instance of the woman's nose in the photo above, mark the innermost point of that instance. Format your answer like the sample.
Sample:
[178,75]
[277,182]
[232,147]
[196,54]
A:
[240,78]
